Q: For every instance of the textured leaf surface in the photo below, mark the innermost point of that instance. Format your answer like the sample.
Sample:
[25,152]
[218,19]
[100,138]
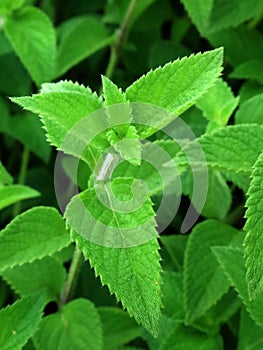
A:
[232,148]
[61,107]
[118,328]
[108,214]
[232,262]
[254,231]
[33,38]
[80,37]
[204,281]
[76,326]
[218,104]
[46,273]
[177,85]
[14,193]
[33,234]
[20,320]
[250,111]
[132,274]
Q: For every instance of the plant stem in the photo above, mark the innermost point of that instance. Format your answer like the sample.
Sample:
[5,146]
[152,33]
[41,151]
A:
[22,177]
[121,37]
[72,278]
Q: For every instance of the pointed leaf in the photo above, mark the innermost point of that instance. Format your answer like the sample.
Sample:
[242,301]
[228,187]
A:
[38,232]
[75,326]
[254,236]
[32,36]
[177,85]
[204,280]
[20,320]
[5,177]
[233,264]
[14,193]
[132,274]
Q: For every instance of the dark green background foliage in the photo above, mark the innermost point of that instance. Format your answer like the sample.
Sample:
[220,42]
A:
[60,61]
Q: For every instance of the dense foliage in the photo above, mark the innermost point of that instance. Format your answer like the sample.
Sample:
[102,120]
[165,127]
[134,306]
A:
[131,174]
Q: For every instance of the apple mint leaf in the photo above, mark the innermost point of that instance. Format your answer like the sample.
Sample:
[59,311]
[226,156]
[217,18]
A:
[15,193]
[132,274]
[253,242]
[232,148]
[76,326]
[63,108]
[218,104]
[32,36]
[122,136]
[204,281]
[251,69]
[36,233]
[250,111]
[232,262]
[79,37]
[118,327]
[177,85]
[20,320]
[46,273]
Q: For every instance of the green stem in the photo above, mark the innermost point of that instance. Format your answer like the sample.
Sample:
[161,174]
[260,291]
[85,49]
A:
[121,37]
[72,278]
[22,177]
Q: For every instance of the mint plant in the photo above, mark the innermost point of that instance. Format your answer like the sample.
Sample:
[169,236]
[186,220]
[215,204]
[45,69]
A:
[133,220]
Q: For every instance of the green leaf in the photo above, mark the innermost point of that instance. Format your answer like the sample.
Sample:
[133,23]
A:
[5,177]
[251,69]
[112,215]
[36,233]
[233,264]
[188,338]
[250,111]
[232,148]
[20,320]
[250,335]
[11,4]
[175,246]
[204,281]
[123,136]
[75,326]
[177,85]
[254,230]
[14,193]
[118,328]
[79,37]
[32,36]
[132,274]
[62,106]
[218,104]
[46,273]
[27,129]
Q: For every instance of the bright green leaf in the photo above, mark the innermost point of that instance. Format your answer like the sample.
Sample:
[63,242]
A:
[218,104]
[233,264]
[177,85]
[11,4]
[32,36]
[46,273]
[38,232]
[254,231]
[15,193]
[20,320]
[5,177]
[75,326]
[204,281]
[80,37]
